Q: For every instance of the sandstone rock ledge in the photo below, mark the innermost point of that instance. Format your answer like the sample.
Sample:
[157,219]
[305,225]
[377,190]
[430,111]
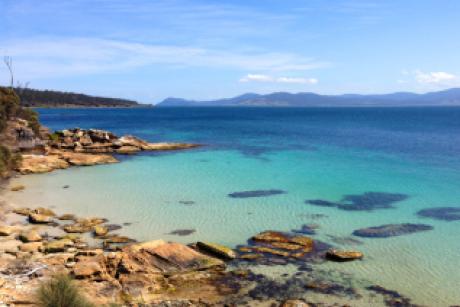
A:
[78,147]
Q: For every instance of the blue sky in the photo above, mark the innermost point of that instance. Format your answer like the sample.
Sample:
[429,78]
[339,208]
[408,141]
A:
[148,50]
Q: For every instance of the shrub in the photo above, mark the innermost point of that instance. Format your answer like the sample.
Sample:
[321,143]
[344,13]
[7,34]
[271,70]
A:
[60,291]
[9,105]
[8,161]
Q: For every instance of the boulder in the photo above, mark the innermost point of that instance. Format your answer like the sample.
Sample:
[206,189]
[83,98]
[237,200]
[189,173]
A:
[30,236]
[44,211]
[23,211]
[31,247]
[16,188]
[341,256]
[100,231]
[77,228]
[217,250]
[67,217]
[271,236]
[36,218]
[6,230]
[58,246]
[91,267]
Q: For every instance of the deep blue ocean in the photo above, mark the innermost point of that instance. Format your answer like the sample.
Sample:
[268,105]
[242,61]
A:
[393,162]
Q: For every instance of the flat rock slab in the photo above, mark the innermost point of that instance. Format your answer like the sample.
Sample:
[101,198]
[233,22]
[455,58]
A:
[256,193]
[391,230]
[160,256]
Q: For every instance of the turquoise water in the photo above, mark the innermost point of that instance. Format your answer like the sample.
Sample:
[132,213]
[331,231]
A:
[308,162]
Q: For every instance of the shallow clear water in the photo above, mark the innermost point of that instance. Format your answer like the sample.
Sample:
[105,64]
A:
[309,153]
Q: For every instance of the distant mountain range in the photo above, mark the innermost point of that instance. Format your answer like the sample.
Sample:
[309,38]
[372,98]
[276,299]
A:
[57,99]
[448,97]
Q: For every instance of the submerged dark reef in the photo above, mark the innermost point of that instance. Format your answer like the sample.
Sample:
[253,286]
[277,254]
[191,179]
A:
[256,193]
[441,213]
[391,230]
[367,202]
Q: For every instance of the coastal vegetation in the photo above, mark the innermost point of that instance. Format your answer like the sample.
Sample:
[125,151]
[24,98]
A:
[61,291]
[52,99]
[10,111]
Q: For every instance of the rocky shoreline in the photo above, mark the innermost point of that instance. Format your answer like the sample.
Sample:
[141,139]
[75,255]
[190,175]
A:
[36,244]
[79,147]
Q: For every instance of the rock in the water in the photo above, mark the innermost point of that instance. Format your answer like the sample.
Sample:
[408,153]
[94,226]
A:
[218,250]
[100,231]
[256,193]
[368,201]
[391,230]
[30,236]
[44,211]
[341,256]
[23,211]
[307,229]
[182,232]
[17,188]
[371,200]
[67,217]
[36,218]
[271,236]
[441,213]
[77,228]
[322,203]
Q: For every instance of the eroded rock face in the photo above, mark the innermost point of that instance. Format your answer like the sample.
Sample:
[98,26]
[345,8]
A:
[391,230]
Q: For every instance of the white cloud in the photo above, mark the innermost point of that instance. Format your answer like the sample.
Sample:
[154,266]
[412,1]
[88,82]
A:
[47,57]
[438,77]
[267,78]
[257,78]
[297,80]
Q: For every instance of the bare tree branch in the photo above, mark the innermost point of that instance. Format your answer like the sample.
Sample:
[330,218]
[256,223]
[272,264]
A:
[9,63]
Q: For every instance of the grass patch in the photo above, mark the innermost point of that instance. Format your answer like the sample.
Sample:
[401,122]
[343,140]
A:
[61,291]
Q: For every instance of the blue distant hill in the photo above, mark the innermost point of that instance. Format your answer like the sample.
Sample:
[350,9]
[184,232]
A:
[450,97]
